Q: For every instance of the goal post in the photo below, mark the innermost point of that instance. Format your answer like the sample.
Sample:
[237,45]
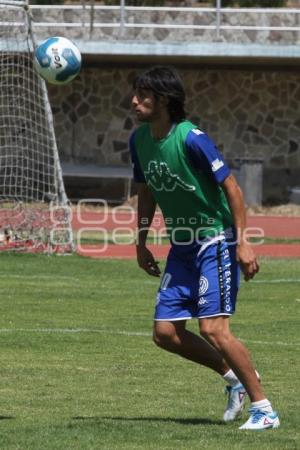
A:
[35,214]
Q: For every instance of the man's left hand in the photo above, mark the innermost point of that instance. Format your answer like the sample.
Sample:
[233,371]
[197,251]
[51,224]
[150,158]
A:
[247,260]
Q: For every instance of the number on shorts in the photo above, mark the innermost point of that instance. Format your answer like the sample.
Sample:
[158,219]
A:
[165,281]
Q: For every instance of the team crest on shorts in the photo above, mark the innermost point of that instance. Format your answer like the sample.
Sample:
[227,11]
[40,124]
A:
[203,285]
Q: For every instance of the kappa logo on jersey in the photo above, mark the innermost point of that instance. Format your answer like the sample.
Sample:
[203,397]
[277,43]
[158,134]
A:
[160,177]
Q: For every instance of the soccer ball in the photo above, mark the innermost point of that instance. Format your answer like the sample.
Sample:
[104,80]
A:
[57,60]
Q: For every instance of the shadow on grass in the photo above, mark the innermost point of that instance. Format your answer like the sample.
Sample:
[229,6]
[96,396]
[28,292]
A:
[6,417]
[182,421]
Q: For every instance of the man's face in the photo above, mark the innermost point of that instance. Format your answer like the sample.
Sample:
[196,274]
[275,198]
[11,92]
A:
[146,106]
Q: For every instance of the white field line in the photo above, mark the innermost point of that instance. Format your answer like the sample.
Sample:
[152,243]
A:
[123,333]
[285,344]
[72,331]
[153,282]
[280,280]
[38,277]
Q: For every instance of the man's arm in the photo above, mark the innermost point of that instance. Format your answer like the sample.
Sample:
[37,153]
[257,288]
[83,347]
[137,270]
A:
[245,254]
[146,211]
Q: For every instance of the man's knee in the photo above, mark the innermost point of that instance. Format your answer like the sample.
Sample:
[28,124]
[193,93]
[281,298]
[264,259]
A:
[214,332]
[162,337]
[165,336]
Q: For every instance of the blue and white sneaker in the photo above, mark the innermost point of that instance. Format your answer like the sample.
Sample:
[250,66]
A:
[236,400]
[261,420]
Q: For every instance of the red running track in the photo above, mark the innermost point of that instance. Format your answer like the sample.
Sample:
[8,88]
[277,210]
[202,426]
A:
[161,251]
[271,226]
[276,226]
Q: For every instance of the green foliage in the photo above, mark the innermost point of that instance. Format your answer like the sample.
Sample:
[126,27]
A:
[255,3]
[46,2]
[138,2]
[145,3]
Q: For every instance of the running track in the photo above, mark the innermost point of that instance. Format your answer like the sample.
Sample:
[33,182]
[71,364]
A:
[271,226]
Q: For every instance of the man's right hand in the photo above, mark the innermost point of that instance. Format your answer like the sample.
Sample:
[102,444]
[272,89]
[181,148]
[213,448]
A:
[146,261]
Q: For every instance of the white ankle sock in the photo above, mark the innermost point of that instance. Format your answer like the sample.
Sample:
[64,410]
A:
[264,405]
[231,378]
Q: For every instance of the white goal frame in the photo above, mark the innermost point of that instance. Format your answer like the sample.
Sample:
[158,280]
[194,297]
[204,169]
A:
[35,214]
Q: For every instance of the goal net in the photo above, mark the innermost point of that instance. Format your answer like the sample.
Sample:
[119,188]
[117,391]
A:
[34,211]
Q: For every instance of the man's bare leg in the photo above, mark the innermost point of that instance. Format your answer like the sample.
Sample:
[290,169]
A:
[173,337]
[216,331]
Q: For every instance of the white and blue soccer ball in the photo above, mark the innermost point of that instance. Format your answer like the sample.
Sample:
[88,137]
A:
[57,60]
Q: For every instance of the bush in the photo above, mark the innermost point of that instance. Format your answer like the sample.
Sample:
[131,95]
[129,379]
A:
[46,2]
[255,3]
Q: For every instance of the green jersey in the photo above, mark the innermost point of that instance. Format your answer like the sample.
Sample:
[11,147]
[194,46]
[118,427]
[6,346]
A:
[184,171]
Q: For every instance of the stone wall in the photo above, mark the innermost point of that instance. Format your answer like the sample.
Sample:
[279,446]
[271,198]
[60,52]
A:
[176,19]
[252,113]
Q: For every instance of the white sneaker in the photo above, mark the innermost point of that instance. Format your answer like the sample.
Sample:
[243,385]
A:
[261,420]
[236,400]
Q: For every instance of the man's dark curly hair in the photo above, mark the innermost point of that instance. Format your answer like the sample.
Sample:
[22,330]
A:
[164,81]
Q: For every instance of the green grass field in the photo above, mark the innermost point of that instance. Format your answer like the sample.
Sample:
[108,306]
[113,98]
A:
[79,370]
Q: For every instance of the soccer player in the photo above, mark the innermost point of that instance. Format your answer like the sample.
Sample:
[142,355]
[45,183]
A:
[178,167]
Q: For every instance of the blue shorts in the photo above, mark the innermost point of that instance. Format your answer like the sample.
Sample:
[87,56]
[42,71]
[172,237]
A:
[199,281]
